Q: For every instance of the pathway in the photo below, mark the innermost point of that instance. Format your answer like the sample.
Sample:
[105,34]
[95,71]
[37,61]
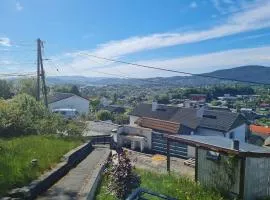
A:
[71,186]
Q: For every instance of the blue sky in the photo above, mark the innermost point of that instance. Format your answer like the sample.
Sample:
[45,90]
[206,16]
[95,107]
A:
[192,36]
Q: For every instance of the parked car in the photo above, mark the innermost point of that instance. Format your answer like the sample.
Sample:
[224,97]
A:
[67,113]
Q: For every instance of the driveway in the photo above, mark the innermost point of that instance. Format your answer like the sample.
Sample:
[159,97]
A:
[158,163]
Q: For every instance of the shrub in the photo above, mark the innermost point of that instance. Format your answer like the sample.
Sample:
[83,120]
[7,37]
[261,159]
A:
[121,119]
[24,115]
[121,177]
[104,115]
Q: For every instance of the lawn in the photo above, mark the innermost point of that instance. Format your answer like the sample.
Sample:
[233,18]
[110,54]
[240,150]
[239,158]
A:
[16,155]
[171,185]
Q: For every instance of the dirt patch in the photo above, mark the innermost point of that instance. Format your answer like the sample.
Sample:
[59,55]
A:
[158,163]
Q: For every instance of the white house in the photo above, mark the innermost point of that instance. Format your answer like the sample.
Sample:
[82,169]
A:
[164,120]
[68,100]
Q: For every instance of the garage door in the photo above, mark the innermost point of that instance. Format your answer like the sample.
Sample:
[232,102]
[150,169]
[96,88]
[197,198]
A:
[159,145]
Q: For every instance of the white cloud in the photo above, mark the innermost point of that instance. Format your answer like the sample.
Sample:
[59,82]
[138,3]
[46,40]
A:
[19,7]
[251,19]
[87,66]
[4,41]
[193,4]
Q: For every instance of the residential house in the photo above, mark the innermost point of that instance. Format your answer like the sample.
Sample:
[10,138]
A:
[198,97]
[166,120]
[259,134]
[251,115]
[115,109]
[68,100]
[228,97]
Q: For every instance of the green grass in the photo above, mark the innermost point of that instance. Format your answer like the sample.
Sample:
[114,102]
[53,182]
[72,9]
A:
[172,185]
[16,155]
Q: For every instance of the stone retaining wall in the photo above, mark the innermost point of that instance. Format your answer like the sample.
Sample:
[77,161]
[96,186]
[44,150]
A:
[92,185]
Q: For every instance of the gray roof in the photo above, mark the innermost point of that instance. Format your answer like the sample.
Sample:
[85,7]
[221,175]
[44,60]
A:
[223,121]
[59,96]
[212,119]
[222,142]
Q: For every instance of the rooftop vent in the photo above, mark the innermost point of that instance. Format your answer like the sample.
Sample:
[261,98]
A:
[235,145]
[154,106]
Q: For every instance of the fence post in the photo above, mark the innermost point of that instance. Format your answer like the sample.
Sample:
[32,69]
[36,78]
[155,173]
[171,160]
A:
[168,156]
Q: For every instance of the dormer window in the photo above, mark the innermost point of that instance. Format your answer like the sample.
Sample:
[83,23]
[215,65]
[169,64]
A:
[210,116]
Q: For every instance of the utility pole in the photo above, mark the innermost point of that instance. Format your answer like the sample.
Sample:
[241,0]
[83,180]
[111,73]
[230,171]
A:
[38,70]
[41,72]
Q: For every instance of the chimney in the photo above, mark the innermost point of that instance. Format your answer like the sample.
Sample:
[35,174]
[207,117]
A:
[154,106]
[235,145]
[200,112]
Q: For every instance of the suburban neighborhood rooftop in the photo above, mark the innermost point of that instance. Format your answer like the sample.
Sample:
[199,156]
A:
[212,119]
[221,144]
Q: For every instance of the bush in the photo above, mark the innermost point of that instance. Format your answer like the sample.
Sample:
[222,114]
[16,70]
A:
[121,119]
[121,177]
[104,115]
[24,115]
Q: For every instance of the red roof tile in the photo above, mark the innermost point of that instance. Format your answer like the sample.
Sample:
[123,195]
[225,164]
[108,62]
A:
[259,129]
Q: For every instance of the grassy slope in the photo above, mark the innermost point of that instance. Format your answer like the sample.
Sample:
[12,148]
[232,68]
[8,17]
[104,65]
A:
[171,185]
[16,155]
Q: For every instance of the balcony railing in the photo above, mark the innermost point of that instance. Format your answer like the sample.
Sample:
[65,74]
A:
[144,194]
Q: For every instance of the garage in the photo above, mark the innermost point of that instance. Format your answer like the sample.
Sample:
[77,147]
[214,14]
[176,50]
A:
[159,145]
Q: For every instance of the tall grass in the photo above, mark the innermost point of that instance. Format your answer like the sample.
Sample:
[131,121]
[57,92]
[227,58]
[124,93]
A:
[16,154]
[176,186]
[172,185]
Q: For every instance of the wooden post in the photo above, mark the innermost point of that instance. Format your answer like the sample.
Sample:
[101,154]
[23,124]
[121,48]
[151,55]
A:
[168,156]
[242,177]
[196,163]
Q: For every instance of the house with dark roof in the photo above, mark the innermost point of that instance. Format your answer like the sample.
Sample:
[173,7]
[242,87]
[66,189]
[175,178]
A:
[115,108]
[68,100]
[168,120]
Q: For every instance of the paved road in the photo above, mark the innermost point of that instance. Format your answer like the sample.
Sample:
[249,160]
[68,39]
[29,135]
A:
[70,186]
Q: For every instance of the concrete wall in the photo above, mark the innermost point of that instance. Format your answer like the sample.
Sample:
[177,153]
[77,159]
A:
[132,120]
[239,133]
[131,130]
[74,102]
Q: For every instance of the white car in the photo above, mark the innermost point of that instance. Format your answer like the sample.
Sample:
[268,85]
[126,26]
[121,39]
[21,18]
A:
[67,113]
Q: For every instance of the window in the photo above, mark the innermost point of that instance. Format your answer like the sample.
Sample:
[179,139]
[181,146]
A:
[212,155]
[210,116]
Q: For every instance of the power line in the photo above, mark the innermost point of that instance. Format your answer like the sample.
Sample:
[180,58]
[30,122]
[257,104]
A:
[174,71]
[111,74]
[17,75]
[26,63]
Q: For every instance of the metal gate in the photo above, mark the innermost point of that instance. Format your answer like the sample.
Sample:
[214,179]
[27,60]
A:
[159,145]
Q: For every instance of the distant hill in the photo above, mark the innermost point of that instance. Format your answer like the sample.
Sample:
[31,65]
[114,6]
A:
[254,73]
